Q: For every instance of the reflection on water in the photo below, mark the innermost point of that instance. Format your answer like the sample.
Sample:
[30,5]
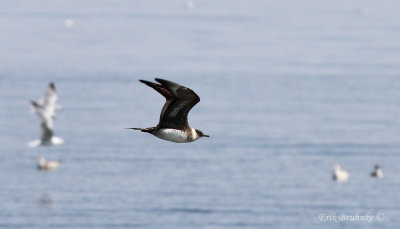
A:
[45,200]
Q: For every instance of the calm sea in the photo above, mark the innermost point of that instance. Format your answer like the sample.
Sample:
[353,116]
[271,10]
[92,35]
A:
[288,89]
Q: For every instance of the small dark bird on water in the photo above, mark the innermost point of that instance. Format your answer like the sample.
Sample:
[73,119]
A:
[377,173]
[173,125]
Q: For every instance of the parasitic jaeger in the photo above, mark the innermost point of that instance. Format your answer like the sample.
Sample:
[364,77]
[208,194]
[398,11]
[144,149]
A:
[173,125]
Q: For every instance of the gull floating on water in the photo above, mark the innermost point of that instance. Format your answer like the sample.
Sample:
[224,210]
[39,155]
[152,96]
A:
[68,23]
[45,200]
[340,175]
[173,125]
[377,173]
[45,111]
[47,165]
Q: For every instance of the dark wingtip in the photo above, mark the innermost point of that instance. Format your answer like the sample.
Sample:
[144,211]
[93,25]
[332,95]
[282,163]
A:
[52,86]
[35,104]
[160,80]
[147,82]
[167,83]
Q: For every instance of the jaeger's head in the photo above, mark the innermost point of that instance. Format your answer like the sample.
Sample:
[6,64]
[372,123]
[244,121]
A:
[201,134]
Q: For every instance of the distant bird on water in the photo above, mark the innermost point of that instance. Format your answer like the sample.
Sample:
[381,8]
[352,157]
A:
[47,165]
[377,173]
[45,111]
[189,5]
[340,175]
[173,125]
[68,23]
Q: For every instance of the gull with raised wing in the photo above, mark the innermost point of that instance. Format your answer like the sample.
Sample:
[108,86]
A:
[45,112]
[173,125]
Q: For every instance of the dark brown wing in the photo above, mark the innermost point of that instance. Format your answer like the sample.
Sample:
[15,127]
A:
[180,101]
[160,88]
[177,109]
[164,92]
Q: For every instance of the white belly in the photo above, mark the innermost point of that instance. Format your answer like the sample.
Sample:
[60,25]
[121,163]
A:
[173,135]
[341,175]
[49,165]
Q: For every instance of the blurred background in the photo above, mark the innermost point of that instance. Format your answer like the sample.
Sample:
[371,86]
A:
[287,88]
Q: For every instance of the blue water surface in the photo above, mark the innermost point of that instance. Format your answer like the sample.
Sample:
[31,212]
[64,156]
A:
[288,89]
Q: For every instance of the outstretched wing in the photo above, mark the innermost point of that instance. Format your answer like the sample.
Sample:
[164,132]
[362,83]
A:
[175,115]
[164,92]
[180,101]
[50,97]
